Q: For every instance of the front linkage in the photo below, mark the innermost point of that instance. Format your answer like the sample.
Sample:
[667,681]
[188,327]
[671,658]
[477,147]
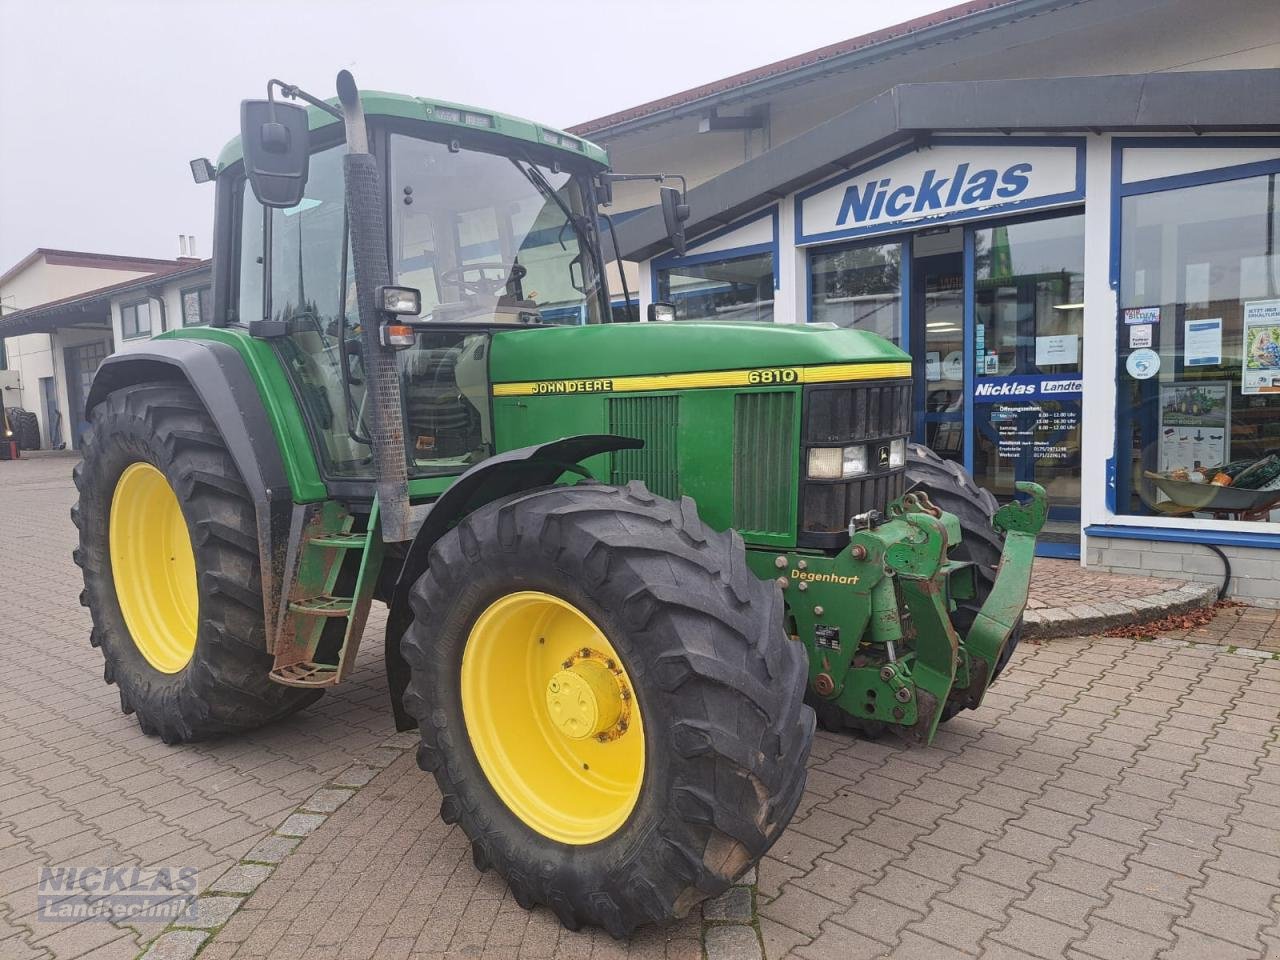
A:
[877,617]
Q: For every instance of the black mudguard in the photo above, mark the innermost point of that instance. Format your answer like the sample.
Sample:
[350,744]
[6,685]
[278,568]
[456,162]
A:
[524,469]
[220,378]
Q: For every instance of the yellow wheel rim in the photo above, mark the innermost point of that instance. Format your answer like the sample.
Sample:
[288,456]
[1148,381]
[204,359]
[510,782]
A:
[154,568]
[552,717]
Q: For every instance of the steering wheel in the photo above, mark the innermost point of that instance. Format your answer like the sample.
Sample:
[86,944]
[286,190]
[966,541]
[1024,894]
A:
[483,285]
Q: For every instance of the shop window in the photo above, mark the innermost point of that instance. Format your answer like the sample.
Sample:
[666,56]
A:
[1198,368]
[859,287]
[135,320]
[737,288]
[1028,311]
[197,306]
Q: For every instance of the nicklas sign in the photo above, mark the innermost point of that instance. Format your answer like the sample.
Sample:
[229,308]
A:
[946,181]
[933,193]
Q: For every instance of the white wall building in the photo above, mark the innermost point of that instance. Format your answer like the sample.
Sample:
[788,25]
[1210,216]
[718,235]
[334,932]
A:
[66,311]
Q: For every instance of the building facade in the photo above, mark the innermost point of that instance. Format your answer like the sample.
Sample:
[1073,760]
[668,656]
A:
[67,311]
[1084,271]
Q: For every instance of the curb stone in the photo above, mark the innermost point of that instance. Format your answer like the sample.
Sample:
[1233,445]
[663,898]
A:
[1081,619]
[186,937]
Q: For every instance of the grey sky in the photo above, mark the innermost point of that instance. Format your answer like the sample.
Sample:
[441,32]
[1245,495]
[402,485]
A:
[103,103]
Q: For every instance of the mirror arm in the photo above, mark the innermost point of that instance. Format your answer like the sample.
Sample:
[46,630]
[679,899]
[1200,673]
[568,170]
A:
[293,92]
[652,177]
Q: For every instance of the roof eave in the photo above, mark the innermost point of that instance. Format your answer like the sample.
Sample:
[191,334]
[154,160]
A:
[1204,101]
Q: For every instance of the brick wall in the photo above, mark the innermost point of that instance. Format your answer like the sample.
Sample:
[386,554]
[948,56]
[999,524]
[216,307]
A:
[1255,573]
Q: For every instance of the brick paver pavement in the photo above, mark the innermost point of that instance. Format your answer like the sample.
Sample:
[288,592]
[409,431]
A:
[79,782]
[1112,799]
[1063,583]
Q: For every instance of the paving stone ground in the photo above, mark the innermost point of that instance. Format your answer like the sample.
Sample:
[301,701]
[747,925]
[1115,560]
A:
[1111,799]
[80,783]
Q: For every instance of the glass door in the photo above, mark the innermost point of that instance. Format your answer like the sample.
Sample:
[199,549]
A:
[1028,311]
[937,352]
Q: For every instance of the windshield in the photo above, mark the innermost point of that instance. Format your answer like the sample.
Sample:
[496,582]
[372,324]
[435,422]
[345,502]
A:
[491,239]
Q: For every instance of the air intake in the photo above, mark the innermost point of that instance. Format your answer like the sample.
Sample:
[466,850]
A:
[764,462]
[655,420]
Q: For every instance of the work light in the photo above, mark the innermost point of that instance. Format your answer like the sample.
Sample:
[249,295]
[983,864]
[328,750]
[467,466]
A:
[897,453]
[402,301]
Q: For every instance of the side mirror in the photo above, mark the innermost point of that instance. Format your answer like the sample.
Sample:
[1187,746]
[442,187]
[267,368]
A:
[662,312]
[674,213]
[276,144]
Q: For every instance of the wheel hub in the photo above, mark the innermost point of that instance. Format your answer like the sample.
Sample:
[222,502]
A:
[584,700]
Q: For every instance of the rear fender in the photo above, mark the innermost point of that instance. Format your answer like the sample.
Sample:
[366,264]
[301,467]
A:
[222,382]
[524,469]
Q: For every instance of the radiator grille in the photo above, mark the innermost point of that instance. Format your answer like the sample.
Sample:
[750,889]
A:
[870,413]
[655,420]
[764,465]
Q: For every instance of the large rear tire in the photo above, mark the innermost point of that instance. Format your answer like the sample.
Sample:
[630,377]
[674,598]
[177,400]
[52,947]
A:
[950,487]
[168,549]
[693,739]
[25,427]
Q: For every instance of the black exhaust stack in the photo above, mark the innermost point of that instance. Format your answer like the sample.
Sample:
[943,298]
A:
[367,217]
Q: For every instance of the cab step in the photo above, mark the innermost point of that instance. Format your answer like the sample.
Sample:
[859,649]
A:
[318,612]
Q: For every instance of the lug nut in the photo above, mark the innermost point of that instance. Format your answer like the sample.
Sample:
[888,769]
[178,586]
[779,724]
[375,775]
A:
[803,565]
[802,586]
[858,552]
[780,562]
[782,582]
[903,695]
[886,673]
[818,611]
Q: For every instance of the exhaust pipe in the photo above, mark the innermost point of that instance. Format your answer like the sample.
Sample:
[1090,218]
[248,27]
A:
[367,220]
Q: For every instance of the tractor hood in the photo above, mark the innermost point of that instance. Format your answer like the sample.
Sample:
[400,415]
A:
[683,347]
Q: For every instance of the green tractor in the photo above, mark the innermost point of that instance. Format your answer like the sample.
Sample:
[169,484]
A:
[619,558]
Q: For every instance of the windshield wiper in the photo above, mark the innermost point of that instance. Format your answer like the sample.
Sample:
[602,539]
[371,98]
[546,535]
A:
[534,176]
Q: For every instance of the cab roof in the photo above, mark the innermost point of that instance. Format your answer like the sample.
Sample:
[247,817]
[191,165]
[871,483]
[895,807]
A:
[378,103]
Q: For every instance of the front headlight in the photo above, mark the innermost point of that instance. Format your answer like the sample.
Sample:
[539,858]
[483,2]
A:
[837,463]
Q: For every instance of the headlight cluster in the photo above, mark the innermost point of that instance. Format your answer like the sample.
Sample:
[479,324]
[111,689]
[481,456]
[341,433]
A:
[844,463]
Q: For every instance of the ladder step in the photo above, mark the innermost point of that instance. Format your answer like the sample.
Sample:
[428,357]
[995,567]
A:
[306,675]
[342,541]
[323,606]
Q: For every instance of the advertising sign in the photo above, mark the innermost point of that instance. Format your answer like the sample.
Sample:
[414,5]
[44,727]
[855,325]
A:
[1027,387]
[1195,422]
[944,181]
[1261,363]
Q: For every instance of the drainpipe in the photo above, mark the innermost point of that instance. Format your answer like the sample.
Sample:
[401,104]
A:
[164,314]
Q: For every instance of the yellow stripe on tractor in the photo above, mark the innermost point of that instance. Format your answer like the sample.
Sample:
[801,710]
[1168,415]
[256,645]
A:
[755,377]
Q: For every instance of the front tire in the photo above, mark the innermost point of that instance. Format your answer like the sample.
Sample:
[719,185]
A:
[652,611]
[168,549]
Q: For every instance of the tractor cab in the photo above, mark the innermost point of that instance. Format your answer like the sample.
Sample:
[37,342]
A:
[489,225]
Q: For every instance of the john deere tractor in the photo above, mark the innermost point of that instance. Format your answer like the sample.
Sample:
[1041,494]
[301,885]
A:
[618,557]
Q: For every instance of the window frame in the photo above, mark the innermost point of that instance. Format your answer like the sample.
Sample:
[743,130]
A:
[1248,533]
[138,333]
[205,288]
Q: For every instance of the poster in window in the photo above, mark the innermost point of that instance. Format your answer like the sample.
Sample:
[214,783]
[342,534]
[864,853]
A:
[1195,423]
[1202,342]
[1261,362]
